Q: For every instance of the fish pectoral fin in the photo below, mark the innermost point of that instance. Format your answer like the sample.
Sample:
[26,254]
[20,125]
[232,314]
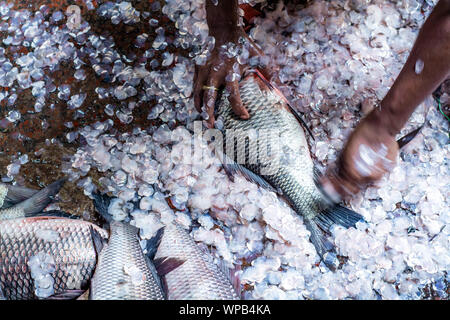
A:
[165,265]
[68,294]
[232,168]
[153,244]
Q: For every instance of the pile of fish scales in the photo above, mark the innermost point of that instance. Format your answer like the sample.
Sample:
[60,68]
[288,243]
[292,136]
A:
[330,68]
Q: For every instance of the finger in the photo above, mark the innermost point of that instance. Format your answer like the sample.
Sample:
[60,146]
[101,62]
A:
[235,100]
[198,88]
[209,100]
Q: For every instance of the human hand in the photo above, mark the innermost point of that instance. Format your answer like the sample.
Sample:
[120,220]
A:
[223,68]
[370,152]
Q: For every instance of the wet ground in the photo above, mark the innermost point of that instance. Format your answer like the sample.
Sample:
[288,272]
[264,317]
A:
[30,133]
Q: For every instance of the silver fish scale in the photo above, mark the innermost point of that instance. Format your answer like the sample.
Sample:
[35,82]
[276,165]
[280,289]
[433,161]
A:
[72,250]
[12,213]
[294,174]
[198,278]
[123,272]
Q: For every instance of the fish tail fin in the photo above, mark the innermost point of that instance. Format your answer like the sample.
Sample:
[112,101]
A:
[318,237]
[153,244]
[101,204]
[338,215]
[321,225]
[16,194]
[42,198]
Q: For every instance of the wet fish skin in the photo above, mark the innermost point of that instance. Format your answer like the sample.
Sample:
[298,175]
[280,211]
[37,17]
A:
[198,277]
[123,272]
[294,177]
[70,245]
[35,204]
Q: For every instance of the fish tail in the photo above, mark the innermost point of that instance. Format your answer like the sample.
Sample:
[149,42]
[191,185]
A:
[42,198]
[321,225]
[318,238]
[17,194]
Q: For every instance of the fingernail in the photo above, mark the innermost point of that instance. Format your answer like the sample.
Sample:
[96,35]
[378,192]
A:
[243,114]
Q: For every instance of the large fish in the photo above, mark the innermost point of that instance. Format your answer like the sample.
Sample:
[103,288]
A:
[271,149]
[123,271]
[18,202]
[46,257]
[188,271]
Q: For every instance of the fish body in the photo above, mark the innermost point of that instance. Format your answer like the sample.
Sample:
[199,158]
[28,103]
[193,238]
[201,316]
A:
[64,244]
[123,271]
[271,149]
[196,277]
[17,204]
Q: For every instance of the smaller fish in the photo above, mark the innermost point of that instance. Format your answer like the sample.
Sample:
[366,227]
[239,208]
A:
[31,206]
[189,271]
[123,271]
[11,195]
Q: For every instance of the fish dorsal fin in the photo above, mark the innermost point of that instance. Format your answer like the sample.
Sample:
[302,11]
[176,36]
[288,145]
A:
[300,120]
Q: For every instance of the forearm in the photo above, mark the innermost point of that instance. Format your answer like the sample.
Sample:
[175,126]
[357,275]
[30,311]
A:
[222,18]
[410,88]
